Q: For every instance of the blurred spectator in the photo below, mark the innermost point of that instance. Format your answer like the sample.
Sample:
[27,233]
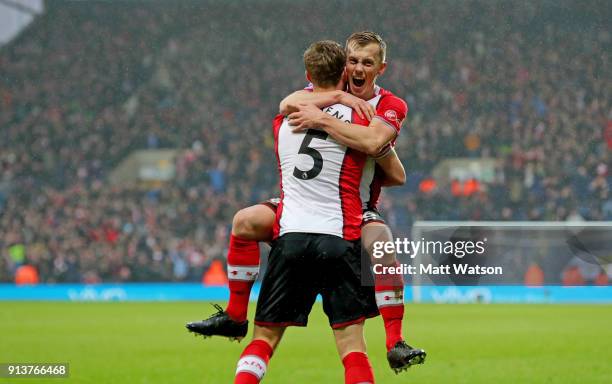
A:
[526,84]
[26,274]
[534,276]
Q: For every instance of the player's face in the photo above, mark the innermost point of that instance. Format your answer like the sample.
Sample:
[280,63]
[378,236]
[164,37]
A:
[363,66]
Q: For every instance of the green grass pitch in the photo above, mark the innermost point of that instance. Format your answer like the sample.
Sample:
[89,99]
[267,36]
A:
[147,343]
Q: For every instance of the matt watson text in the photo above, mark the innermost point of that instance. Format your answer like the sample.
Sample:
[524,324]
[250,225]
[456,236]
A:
[430,269]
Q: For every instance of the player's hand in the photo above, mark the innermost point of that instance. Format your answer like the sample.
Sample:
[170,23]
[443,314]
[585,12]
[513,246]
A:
[364,109]
[308,116]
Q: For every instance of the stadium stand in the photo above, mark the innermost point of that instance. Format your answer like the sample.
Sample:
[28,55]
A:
[86,84]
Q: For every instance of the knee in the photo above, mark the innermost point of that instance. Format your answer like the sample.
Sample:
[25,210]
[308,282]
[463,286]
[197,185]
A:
[242,224]
[254,223]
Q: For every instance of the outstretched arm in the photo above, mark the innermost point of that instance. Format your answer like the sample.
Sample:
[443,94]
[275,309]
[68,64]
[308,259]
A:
[291,103]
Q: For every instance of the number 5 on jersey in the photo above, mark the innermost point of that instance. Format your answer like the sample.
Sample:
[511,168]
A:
[316,155]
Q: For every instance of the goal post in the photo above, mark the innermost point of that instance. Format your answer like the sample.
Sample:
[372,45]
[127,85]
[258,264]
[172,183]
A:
[516,257]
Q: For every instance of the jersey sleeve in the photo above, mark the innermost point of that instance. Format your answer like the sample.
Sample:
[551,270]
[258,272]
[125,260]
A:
[392,110]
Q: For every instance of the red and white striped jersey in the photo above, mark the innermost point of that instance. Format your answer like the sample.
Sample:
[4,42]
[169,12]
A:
[319,180]
[391,110]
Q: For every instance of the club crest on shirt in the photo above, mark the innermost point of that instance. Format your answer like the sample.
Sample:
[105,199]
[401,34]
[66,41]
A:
[391,115]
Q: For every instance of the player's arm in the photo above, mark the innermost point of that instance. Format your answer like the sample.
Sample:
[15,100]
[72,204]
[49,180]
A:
[367,139]
[291,103]
[394,173]
[321,99]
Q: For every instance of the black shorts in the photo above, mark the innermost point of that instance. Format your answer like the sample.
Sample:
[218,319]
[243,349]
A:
[303,265]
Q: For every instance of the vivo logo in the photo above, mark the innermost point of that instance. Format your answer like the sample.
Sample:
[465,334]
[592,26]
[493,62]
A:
[454,295]
[92,294]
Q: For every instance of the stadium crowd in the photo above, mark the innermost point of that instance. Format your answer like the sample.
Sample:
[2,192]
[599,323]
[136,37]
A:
[85,85]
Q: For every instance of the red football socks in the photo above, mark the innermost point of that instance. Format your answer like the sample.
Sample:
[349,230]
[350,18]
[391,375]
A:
[242,271]
[390,301]
[253,363]
[357,369]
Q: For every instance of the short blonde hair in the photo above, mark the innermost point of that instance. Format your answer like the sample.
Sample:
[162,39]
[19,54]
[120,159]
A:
[363,38]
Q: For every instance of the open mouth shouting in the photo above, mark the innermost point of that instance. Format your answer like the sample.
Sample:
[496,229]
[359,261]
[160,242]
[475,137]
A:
[358,82]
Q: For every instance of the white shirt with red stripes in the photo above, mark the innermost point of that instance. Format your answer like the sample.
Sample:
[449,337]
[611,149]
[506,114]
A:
[319,180]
